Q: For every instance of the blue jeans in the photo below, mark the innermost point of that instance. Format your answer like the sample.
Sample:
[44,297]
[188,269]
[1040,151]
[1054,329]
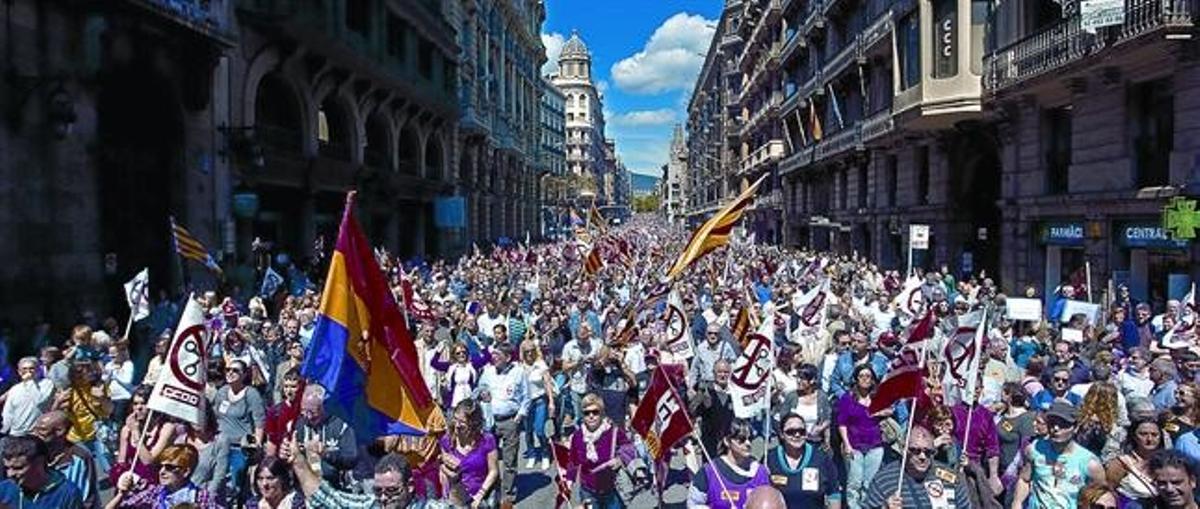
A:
[535,428]
[610,500]
[860,470]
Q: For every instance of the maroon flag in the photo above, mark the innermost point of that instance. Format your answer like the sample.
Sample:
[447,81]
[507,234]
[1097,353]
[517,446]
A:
[416,309]
[922,330]
[900,383]
[661,418]
[562,481]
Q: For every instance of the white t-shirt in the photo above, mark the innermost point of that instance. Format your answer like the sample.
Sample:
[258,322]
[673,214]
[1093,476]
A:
[573,353]
[537,378]
[487,324]
[120,379]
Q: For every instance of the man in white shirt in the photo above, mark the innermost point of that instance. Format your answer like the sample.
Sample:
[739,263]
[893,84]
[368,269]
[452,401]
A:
[577,358]
[489,320]
[25,401]
[505,385]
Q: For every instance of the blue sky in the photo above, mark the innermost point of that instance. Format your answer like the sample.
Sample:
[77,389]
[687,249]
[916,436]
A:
[645,57]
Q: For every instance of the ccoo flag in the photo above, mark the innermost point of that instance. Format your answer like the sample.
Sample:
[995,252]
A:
[715,232]
[179,391]
[361,349]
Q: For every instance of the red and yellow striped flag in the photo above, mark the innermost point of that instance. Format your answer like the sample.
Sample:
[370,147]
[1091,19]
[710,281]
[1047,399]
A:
[593,263]
[715,232]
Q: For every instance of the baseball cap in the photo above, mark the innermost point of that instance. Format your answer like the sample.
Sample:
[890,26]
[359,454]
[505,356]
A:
[1063,410]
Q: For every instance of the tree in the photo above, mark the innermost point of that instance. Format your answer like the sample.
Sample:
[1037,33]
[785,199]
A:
[647,203]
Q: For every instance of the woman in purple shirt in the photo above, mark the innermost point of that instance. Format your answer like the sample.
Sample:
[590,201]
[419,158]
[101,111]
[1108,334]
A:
[470,467]
[598,450]
[862,439]
[727,480]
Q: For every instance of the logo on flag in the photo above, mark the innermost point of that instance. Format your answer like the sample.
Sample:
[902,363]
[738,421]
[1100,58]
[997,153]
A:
[271,283]
[751,371]
[910,300]
[962,352]
[179,391]
[137,294]
[679,334]
[660,418]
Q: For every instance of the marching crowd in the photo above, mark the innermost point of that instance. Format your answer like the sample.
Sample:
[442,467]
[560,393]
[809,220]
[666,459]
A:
[540,362]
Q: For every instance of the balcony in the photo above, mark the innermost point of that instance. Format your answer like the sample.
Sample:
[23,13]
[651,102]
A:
[877,32]
[770,200]
[770,151]
[830,7]
[790,103]
[814,18]
[842,59]
[200,16]
[794,43]
[730,39]
[798,159]
[1065,43]
[877,125]
[845,140]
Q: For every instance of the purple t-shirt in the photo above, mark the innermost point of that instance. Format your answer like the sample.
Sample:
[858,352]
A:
[472,466]
[861,429]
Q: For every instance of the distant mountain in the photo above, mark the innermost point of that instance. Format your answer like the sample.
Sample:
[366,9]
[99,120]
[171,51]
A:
[642,184]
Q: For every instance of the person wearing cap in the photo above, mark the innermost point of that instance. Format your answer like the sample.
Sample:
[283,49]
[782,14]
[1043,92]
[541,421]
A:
[1056,468]
[924,483]
[1163,374]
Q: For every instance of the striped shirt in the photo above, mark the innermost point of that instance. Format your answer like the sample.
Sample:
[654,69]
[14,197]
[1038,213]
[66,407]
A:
[77,466]
[940,482]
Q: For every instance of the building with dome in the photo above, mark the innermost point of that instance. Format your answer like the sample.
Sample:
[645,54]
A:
[587,154]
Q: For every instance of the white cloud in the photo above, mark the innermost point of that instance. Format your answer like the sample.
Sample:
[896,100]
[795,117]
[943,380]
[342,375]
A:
[602,86]
[661,116]
[553,42]
[670,60]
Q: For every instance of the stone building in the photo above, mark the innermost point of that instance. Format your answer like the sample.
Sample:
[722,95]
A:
[586,150]
[711,127]
[552,167]
[1095,133]
[110,115]
[674,178]
[499,140]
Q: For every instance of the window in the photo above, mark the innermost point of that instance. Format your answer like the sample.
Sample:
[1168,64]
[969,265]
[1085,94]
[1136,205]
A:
[908,45]
[1058,149]
[357,15]
[921,161]
[1152,131]
[981,18]
[862,185]
[945,38]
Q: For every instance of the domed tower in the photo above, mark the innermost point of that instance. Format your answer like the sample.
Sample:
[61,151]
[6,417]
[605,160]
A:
[575,62]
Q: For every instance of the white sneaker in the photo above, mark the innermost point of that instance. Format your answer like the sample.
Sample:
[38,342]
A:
[545,463]
[529,464]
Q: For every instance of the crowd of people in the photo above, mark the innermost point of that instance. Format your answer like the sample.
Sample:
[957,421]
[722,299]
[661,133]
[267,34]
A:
[529,354]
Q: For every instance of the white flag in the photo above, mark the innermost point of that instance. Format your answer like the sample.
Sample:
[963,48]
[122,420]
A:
[179,391]
[910,301]
[137,294]
[809,308]
[750,376]
[679,332]
[270,283]
[963,352]
[1181,335]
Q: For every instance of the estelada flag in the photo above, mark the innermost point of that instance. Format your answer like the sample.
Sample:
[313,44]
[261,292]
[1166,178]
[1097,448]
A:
[361,349]
[715,232]
[661,417]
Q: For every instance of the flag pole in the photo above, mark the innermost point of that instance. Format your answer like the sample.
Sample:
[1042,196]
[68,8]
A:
[128,325]
[692,424]
[974,376]
[912,416]
[1087,265]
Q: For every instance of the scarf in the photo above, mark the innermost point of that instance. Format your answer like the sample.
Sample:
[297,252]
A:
[591,437]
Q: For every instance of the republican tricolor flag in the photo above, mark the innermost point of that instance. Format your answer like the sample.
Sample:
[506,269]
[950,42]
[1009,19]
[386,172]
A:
[361,350]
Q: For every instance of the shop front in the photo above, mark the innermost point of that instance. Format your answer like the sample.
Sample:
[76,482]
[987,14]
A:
[1155,266]
[1062,244]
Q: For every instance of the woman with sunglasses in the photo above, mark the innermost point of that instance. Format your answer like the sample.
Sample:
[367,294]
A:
[598,450]
[862,437]
[174,487]
[470,460]
[812,404]
[726,481]
[158,435]
[462,373]
[801,469]
[1130,472]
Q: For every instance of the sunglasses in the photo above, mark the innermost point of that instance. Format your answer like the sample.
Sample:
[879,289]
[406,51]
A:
[1098,505]
[591,411]
[1061,380]
[794,432]
[921,451]
[391,492]
[171,467]
[740,438]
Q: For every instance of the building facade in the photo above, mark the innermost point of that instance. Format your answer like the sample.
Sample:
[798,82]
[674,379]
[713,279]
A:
[500,131]
[553,160]
[711,126]
[1093,141]
[587,152]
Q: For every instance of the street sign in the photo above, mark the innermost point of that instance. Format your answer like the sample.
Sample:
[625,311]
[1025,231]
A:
[918,236]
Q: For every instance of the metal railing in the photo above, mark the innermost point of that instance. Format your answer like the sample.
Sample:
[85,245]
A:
[878,30]
[769,151]
[841,60]
[877,125]
[814,17]
[841,141]
[1065,42]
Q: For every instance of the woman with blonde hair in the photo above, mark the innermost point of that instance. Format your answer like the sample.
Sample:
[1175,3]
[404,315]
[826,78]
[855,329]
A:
[541,404]
[1099,428]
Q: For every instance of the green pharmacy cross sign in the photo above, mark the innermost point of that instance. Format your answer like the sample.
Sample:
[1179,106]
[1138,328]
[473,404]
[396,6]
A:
[1180,218]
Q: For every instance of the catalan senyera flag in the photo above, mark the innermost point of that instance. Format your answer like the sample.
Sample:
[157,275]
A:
[593,263]
[715,232]
[362,351]
[188,246]
[815,122]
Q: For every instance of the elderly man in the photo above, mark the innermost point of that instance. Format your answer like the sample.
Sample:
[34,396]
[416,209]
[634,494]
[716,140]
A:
[713,349]
[505,385]
[31,484]
[391,487]
[73,461]
[918,488]
[25,401]
[334,447]
[1163,374]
